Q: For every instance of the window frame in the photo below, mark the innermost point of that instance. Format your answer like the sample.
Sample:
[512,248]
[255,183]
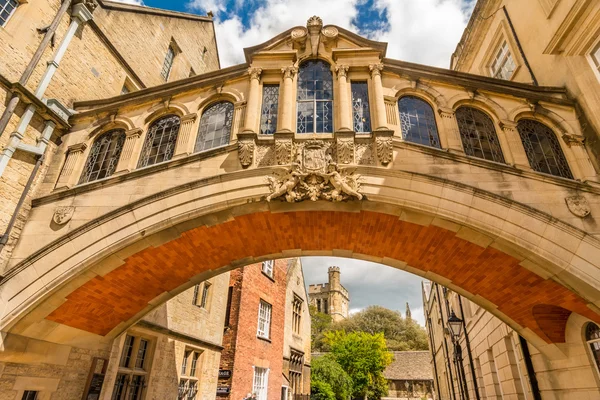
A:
[132,371]
[264,332]
[264,382]
[268,268]
[27,395]
[475,113]
[297,303]
[595,62]
[366,107]
[169,60]
[155,122]
[271,112]
[432,119]
[588,345]
[10,15]
[112,154]
[191,358]
[202,295]
[229,116]
[315,101]
[504,58]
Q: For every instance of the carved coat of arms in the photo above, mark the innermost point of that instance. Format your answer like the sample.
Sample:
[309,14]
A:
[578,206]
[62,215]
[314,176]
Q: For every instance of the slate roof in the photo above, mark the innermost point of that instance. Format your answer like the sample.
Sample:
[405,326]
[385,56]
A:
[410,365]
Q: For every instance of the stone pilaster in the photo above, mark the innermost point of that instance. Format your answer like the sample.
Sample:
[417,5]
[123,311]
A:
[185,145]
[380,117]
[253,106]
[131,148]
[450,136]
[344,102]
[286,120]
[515,145]
[68,178]
[576,143]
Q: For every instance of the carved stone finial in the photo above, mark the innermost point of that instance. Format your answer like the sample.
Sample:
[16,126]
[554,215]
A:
[314,26]
[376,69]
[341,70]
[254,73]
[578,205]
[299,36]
[62,215]
[289,72]
[314,21]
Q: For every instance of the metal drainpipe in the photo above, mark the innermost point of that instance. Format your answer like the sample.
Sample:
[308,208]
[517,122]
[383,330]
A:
[14,101]
[468,343]
[451,381]
[535,388]
[512,28]
[431,338]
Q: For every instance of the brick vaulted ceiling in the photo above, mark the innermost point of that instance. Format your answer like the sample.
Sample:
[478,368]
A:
[102,303]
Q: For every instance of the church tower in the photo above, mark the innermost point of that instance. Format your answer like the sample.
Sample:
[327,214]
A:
[331,297]
[408,313]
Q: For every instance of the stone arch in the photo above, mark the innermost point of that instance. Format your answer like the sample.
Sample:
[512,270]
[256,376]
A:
[552,321]
[116,124]
[215,98]
[162,109]
[425,92]
[322,57]
[420,228]
[495,111]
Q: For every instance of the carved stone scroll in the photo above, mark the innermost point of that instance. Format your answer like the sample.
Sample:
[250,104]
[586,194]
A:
[384,145]
[246,146]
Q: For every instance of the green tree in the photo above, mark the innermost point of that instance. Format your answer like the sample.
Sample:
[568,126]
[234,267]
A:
[328,377]
[364,357]
[320,323]
[400,334]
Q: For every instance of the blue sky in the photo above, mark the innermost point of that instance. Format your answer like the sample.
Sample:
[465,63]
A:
[422,31]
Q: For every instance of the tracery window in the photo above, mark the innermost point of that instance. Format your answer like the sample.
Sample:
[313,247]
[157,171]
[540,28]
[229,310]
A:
[315,98]
[543,149]
[268,113]
[159,144]
[478,134]
[104,156]
[7,8]
[361,116]
[215,126]
[417,122]
[592,336]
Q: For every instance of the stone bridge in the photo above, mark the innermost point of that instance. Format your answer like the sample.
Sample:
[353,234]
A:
[482,185]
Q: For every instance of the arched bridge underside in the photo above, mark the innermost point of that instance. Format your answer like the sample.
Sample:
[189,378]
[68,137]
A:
[531,270]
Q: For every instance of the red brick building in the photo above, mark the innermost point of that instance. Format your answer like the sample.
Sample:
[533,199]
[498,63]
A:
[253,358]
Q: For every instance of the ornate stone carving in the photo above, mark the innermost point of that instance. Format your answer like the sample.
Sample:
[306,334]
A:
[265,155]
[314,21]
[89,4]
[62,215]
[364,154]
[330,182]
[341,70]
[254,73]
[446,113]
[314,25]
[299,36]
[375,69]
[283,151]
[385,151]
[345,150]
[573,140]
[289,72]
[246,151]
[578,206]
[330,32]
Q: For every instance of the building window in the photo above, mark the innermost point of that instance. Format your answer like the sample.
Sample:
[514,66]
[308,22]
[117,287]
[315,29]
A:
[202,294]
[104,156]
[215,126]
[315,98]
[596,57]
[7,8]
[297,314]
[264,320]
[228,311]
[260,383]
[478,134]
[268,113]
[319,305]
[30,395]
[361,115]
[503,65]
[188,383]
[168,64]
[296,365]
[267,268]
[160,141]
[417,122]
[133,369]
[325,306]
[543,149]
[192,73]
[124,89]
[592,336]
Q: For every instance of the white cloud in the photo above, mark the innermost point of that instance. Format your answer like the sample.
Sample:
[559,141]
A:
[423,31]
[134,2]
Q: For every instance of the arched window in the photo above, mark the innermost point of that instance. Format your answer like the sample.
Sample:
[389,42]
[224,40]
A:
[104,156]
[315,97]
[542,148]
[215,126]
[478,134]
[160,141]
[417,122]
[592,336]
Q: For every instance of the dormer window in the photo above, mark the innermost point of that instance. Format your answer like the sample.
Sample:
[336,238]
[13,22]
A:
[503,66]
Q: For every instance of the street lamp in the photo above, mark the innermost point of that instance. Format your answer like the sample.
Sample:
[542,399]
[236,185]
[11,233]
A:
[456,328]
[456,325]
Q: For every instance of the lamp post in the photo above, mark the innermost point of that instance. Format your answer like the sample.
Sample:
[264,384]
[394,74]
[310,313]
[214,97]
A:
[456,327]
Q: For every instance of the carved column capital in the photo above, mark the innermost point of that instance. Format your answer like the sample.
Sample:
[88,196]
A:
[375,69]
[254,73]
[573,140]
[134,133]
[508,126]
[342,70]
[189,118]
[446,112]
[77,148]
[289,72]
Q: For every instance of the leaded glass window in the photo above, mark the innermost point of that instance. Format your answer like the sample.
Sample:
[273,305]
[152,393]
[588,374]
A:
[361,116]
[215,126]
[315,98]
[478,134]
[168,64]
[592,335]
[417,121]
[503,66]
[268,112]
[104,156]
[159,144]
[7,8]
[543,149]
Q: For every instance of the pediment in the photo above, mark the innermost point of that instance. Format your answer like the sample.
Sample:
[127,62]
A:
[314,39]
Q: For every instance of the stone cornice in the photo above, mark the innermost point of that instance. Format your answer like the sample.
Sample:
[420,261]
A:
[118,6]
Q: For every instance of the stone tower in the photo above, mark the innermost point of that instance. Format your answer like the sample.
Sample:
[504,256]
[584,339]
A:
[331,297]
[408,313]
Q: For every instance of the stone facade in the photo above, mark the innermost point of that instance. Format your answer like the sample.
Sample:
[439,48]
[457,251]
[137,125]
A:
[275,351]
[410,376]
[331,298]
[504,364]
